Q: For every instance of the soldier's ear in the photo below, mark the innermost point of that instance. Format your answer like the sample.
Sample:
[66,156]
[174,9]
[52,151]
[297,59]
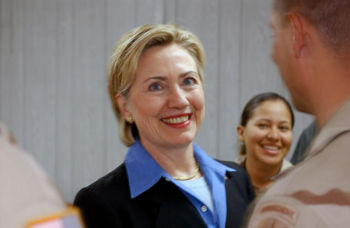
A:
[298,25]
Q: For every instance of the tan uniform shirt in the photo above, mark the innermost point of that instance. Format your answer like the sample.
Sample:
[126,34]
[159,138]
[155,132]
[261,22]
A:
[316,192]
[26,193]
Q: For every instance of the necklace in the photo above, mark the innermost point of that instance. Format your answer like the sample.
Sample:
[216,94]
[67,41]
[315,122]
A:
[193,175]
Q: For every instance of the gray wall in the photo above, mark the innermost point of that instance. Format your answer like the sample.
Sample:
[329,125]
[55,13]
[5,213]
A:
[53,84]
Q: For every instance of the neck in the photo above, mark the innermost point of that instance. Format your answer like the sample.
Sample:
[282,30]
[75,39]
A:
[329,88]
[331,95]
[177,161]
[324,113]
[194,175]
[260,174]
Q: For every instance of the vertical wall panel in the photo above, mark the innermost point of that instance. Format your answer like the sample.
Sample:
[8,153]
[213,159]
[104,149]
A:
[39,78]
[64,98]
[11,66]
[154,9]
[228,77]
[88,92]
[169,11]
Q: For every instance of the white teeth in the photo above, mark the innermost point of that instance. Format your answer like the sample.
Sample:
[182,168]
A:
[271,147]
[176,120]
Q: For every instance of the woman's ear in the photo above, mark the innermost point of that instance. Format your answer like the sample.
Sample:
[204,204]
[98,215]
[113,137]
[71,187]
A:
[123,105]
[240,133]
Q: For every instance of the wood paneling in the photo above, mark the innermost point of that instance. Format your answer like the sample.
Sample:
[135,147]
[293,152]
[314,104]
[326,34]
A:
[53,62]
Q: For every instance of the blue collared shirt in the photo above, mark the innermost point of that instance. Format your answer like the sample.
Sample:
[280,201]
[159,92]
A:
[144,172]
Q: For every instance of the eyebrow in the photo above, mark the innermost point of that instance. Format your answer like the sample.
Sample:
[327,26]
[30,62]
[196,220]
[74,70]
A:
[268,120]
[189,72]
[287,122]
[164,78]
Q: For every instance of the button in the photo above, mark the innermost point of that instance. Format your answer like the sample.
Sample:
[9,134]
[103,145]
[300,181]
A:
[167,179]
[204,208]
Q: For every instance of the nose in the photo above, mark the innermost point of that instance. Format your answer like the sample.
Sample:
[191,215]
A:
[177,98]
[273,134]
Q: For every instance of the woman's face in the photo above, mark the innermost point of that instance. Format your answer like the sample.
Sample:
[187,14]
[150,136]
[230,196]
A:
[267,135]
[166,99]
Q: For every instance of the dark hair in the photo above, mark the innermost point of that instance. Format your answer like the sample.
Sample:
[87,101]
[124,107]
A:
[255,102]
[329,17]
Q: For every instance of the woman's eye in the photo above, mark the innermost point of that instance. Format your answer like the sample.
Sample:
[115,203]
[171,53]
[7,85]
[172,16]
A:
[189,81]
[262,125]
[155,87]
[284,128]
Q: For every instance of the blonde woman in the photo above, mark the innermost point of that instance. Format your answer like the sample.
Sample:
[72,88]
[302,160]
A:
[156,88]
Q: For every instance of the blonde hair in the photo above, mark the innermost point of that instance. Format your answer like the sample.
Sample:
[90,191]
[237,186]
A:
[125,57]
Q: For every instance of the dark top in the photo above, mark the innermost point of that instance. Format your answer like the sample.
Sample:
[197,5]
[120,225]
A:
[303,143]
[107,202]
[143,172]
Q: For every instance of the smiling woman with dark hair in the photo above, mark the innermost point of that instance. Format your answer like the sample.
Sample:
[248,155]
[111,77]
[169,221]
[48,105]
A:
[265,132]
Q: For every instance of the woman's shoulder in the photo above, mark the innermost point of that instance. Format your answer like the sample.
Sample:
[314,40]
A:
[239,179]
[286,165]
[238,173]
[100,201]
[231,164]
[114,182]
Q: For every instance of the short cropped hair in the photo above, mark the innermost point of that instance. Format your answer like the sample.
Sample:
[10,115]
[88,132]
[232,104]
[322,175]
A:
[331,18]
[125,57]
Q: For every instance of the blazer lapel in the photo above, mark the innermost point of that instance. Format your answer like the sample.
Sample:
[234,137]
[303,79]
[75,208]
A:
[237,198]
[171,206]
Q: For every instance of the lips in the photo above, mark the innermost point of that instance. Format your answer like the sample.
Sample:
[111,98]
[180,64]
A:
[178,120]
[272,150]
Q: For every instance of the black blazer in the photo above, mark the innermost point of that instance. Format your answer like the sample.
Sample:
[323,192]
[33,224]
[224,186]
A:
[107,202]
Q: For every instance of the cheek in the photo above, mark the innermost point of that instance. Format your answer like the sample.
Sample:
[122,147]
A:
[253,137]
[279,51]
[287,139]
[198,102]
[143,108]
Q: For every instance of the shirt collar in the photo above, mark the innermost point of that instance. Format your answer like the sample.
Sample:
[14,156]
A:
[144,172]
[207,163]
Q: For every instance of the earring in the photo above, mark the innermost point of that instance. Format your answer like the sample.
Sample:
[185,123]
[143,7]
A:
[130,119]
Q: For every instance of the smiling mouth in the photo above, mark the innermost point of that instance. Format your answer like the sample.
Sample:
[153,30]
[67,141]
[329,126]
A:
[271,149]
[176,120]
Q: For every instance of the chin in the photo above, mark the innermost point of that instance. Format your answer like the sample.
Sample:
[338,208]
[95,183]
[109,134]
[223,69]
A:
[272,161]
[185,136]
[182,141]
